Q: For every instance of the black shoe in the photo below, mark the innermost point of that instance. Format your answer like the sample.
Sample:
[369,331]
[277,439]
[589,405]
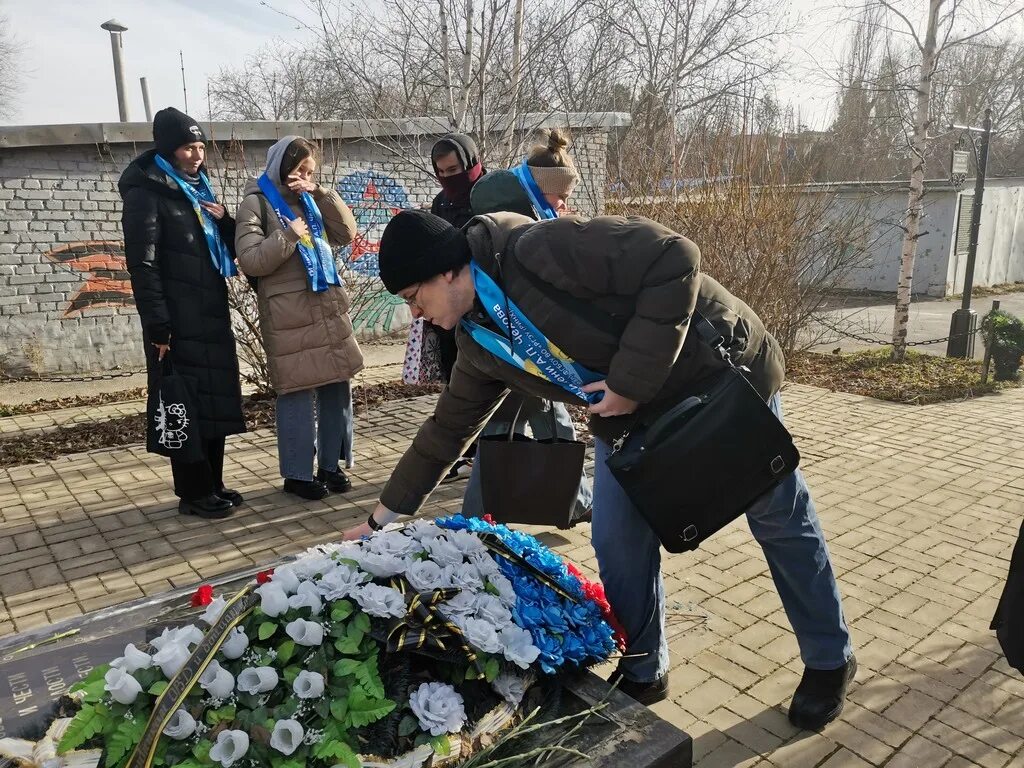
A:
[313,490]
[336,482]
[820,697]
[210,507]
[228,495]
[642,693]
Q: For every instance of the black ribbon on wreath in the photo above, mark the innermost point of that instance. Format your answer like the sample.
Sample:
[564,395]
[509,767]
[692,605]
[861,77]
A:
[497,546]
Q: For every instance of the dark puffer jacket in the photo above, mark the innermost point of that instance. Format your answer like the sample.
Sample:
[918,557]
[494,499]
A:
[179,294]
[614,294]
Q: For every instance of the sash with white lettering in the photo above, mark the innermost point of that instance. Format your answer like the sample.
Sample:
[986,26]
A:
[531,350]
[541,206]
[219,252]
[314,250]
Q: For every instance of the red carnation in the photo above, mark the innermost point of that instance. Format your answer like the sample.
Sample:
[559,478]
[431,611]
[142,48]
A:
[264,576]
[488,519]
[203,596]
[575,571]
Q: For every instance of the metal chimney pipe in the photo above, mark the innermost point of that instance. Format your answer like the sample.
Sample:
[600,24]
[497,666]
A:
[115,28]
[145,99]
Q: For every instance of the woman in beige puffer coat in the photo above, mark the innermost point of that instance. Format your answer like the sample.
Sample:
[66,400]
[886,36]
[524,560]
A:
[311,350]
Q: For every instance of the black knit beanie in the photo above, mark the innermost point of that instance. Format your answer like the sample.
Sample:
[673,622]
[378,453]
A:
[416,246]
[172,128]
[462,145]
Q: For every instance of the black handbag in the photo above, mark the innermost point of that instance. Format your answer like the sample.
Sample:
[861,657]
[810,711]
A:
[527,481]
[1008,621]
[172,420]
[703,463]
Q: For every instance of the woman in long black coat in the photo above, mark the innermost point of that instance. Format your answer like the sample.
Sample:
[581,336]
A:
[178,272]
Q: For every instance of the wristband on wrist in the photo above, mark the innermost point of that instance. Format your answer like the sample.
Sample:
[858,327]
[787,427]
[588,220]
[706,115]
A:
[374,525]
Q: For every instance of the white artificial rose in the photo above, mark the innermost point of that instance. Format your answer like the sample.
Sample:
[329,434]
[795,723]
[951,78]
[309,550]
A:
[506,592]
[133,660]
[285,578]
[422,530]
[380,601]
[171,658]
[305,632]
[463,604]
[308,685]
[190,634]
[443,552]
[287,736]
[517,646]
[485,565]
[217,681]
[392,543]
[439,708]
[311,565]
[424,576]
[341,581]
[510,687]
[235,645]
[490,609]
[214,610]
[464,576]
[181,726]
[122,687]
[273,599]
[231,746]
[479,633]
[257,679]
[381,565]
[467,543]
[307,596]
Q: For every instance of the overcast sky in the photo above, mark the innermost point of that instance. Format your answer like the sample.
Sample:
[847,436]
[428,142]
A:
[68,74]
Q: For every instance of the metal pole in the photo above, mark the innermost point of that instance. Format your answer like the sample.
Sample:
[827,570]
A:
[988,348]
[145,99]
[964,323]
[184,89]
[115,28]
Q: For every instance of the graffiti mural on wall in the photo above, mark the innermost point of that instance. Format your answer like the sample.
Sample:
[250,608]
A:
[374,198]
[107,283]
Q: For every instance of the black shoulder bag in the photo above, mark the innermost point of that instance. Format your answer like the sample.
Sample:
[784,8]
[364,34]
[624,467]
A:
[706,461]
[172,419]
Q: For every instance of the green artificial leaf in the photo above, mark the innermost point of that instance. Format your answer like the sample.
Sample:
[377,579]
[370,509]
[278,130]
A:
[123,740]
[266,630]
[491,669]
[408,726]
[369,678]
[223,715]
[441,745]
[158,687]
[87,723]
[201,751]
[354,564]
[291,762]
[349,644]
[346,667]
[341,610]
[338,752]
[322,708]
[190,763]
[339,709]
[491,589]
[362,710]
[285,651]
[92,685]
[290,673]
[361,622]
[472,674]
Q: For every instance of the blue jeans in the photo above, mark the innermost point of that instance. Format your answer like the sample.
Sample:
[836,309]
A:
[540,425]
[322,416]
[783,522]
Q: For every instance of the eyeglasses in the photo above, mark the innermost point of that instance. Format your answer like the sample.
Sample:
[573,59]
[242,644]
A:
[411,300]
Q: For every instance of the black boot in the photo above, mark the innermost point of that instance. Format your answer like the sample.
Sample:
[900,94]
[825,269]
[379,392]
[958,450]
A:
[643,693]
[229,495]
[210,507]
[336,482]
[313,490]
[820,697]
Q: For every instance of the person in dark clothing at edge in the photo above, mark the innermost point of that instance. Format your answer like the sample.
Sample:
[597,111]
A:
[457,168]
[640,272]
[179,253]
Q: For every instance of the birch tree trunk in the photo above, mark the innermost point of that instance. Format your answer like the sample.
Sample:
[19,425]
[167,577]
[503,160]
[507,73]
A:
[915,203]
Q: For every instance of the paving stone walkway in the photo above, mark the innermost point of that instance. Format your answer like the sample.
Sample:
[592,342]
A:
[921,506]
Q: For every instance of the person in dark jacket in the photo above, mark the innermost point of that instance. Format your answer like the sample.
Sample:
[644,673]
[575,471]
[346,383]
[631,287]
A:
[457,168]
[646,280]
[179,245]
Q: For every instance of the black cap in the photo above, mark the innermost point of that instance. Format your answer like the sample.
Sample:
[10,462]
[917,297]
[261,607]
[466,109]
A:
[172,128]
[416,246]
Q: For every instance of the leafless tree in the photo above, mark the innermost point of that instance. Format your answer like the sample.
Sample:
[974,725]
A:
[10,69]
